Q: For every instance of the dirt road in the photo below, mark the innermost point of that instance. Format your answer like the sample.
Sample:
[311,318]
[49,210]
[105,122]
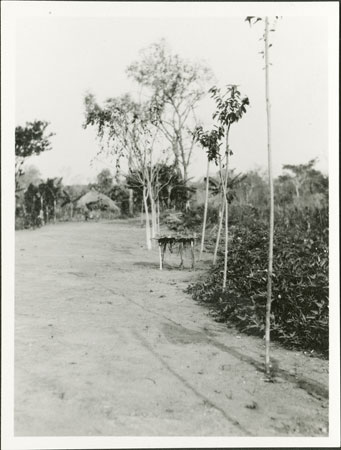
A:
[107,345]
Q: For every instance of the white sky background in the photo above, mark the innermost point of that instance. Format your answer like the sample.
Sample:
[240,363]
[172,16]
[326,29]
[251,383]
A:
[59,59]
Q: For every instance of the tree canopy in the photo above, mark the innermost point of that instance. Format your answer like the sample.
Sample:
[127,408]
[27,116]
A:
[30,140]
[175,86]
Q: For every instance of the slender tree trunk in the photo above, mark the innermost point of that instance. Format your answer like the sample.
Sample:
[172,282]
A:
[226,209]
[142,207]
[158,215]
[169,191]
[54,210]
[221,217]
[185,168]
[131,202]
[152,209]
[148,236]
[205,211]
[154,218]
[175,149]
[42,209]
[271,222]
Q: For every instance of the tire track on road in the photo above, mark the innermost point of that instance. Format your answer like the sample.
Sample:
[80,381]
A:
[198,394]
[312,387]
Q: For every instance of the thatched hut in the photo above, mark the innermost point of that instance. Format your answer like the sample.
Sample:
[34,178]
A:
[94,200]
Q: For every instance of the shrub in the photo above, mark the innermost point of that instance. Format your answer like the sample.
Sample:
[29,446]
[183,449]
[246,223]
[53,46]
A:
[190,220]
[300,280]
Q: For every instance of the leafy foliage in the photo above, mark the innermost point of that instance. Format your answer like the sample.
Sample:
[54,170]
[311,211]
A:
[32,207]
[104,181]
[175,85]
[210,141]
[190,220]
[120,194]
[300,279]
[172,190]
[231,106]
[29,140]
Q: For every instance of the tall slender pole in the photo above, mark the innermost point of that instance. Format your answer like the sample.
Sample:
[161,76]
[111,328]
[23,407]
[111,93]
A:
[205,211]
[271,222]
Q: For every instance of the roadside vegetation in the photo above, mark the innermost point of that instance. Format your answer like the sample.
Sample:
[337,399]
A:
[300,274]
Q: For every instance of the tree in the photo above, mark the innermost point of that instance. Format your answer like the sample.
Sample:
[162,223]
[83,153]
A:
[217,189]
[31,175]
[230,108]
[119,193]
[104,181]
[173,190]
[175,86]
[32,205]
[272,217]
[50,191]
[30,140]
[265,54]
[253,190]
[304,177]
[128,129]
[210,142]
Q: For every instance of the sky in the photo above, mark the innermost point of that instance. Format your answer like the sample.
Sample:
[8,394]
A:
[58,59]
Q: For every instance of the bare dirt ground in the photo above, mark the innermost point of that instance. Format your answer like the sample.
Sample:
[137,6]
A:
[108,345]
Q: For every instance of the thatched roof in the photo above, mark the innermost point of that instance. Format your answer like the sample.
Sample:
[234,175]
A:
[96,199]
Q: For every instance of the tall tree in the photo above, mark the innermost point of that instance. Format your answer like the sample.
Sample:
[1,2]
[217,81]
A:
[50,192]
[175,87]
[265,53]
[126,127]
[272,219]
[29,140]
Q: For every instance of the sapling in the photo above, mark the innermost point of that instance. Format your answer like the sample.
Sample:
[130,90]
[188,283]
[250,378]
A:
[209,141]
[205,210]
[230,107]
[231,184]
[271,224]
[221,218]
[265,53]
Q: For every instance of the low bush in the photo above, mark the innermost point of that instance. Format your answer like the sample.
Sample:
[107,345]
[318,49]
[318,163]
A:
[190,220]
[300,279]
